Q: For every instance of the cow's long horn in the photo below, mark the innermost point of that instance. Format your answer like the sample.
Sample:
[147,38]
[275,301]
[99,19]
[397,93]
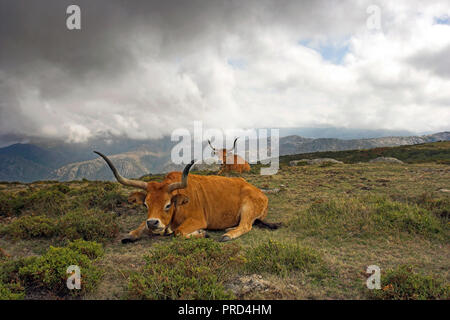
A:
[234,144]
[209,142]
[122,180]
[183,184]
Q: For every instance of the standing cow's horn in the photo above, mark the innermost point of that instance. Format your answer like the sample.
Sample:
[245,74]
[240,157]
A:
[122,180]
[209,142]
[183,184]
[234,144]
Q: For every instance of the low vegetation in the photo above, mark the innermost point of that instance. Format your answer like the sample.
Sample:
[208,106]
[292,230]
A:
[404,283]
[47,274]
[77,224]
[438,152]
[337,219]
[368,216]
[186,269]
[281,258]
[93,225]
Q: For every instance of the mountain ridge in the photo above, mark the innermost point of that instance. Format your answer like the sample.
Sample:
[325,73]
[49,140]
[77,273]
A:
[28,162]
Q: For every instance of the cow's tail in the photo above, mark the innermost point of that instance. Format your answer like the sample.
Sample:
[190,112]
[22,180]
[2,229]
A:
[268,225]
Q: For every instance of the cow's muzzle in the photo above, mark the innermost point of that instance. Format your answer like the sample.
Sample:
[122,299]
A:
[154,224]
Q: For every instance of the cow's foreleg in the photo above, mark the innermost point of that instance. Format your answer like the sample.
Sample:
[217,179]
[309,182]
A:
[245,224]
[191,228]
[135,234]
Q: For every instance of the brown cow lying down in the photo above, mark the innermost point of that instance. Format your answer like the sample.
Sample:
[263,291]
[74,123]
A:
[206,202]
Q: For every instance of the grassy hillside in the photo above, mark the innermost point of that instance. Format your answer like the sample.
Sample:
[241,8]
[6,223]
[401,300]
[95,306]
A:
[438,152]
[337,220]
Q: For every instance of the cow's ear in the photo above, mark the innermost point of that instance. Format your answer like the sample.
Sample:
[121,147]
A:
[179,200]
[137,197]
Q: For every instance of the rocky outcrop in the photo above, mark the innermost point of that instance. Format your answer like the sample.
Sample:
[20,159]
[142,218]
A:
[314,161]
[386,160]
[247,285]
[130,164]
[251,286]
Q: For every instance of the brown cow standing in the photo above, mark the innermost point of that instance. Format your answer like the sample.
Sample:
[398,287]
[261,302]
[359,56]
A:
[206,202]
[230,161]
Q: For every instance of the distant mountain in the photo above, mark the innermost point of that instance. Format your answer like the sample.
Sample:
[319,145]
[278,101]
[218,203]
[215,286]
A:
[49,159]
[134,158]
[129,164]
[343,133]
[296,144]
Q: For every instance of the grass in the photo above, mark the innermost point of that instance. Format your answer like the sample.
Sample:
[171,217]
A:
[403,283]
[336,219]
[438,152]
[185,269]
[281,258]
[367,216]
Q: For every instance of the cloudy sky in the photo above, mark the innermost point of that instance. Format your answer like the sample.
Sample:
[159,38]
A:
[144,68]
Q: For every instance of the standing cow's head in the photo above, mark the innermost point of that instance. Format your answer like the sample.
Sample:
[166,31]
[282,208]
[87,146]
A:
[224,155]
[160,198]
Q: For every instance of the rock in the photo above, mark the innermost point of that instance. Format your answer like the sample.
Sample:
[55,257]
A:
[209,164]
[245,285]
[386,160]
[255,286]
[294,163]
[444,190]
[314,161]
[276,190]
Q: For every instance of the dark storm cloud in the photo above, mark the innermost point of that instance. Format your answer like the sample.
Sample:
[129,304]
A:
[143,68]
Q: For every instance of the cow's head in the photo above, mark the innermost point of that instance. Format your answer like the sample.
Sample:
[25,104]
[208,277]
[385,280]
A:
[223,154]
[160,198]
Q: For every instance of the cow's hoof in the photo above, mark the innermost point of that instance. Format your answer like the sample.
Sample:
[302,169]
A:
[225,238]
[128,240]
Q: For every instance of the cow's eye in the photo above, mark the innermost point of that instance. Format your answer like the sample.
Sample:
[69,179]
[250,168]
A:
[167,207]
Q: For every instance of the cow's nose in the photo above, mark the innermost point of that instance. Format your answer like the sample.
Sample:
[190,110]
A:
[152,223]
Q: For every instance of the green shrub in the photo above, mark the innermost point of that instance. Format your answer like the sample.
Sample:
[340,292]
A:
[186,269]
[364,217]
[11,286]
[89,248]
[50,200]
[10,204]
[99,195]
[439,206]
[281,258]
[49,271]
[326,164]
[404,284]
[28,227]
[88,225]
[93,225]
[8,292]
[409,218]
[46,201]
